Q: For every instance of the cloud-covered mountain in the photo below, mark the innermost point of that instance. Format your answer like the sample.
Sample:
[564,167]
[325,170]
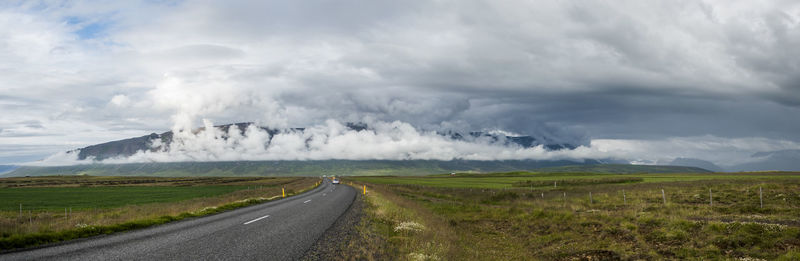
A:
[7,168]
[643,82]
[691,162]
[351,141]
[785,160]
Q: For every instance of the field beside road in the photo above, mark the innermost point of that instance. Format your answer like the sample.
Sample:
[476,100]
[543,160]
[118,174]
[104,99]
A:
[583,216]
[548,180]
[36,210]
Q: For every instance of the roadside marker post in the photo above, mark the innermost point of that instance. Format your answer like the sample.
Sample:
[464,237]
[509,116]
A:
[664,196]
[283,192]
[365,189]
[591,201]
[624,199]
[710,198]
[761,197]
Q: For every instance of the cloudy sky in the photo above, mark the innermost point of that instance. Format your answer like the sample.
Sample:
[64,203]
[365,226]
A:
[647,81]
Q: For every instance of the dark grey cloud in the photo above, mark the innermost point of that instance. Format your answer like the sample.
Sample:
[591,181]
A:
[575,70]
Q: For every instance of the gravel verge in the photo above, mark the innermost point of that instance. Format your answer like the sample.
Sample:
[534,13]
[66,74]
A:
[334,242]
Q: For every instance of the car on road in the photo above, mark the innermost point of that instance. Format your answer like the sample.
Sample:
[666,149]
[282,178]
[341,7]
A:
[335,181]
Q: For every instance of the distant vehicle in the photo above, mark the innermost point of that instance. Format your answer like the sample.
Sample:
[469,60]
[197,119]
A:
[335,181]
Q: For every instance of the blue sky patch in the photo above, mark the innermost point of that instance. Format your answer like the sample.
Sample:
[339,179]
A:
[92,31]
[87,28]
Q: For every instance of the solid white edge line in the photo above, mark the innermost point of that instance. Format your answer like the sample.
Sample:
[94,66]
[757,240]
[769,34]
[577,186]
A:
[257,219]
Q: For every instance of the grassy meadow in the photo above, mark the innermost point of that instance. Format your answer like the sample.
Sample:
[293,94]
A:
[510,179]
[54,199]
[523,216]
[59,208]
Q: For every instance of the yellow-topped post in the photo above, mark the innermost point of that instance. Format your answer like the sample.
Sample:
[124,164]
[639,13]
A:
[283,191]
[365,189]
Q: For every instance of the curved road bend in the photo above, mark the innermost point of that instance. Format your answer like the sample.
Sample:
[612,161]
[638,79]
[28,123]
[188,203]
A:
[277,230]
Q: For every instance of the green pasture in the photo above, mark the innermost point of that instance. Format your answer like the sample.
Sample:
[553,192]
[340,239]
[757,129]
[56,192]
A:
[57,198]
[505,180]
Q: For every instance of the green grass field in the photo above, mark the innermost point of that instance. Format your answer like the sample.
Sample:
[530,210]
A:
[98,205]
[79,198]
[703,216]
[507,180]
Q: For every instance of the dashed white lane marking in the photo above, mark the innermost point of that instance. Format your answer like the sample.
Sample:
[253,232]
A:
[323,194]
[257,219]
[306,201]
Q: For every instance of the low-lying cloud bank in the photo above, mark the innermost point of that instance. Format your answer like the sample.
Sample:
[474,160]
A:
[333,140]
[402,141]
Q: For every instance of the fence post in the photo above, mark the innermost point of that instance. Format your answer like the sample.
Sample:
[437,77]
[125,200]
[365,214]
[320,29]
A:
[565,199]
[591,201]
[710,198]
[761,196]
[555,184]
[542,195]
[664,196]
[624,199]
[20,210]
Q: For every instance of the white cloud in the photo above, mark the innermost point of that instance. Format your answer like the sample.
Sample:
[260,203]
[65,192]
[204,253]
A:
[120,100]
[332,140]
[668,71]
[401,141]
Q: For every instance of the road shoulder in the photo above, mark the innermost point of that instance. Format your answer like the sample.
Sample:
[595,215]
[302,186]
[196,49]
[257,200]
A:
[334,243]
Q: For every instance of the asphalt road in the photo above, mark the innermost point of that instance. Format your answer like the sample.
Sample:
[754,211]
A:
[277,230]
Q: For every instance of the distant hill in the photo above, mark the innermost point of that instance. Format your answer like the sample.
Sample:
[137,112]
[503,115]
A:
[7,168]
[620,169]
[690,162]
[292,168]
[782,160]
[128,147]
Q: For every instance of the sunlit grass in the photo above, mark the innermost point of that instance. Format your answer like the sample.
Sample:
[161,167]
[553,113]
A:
[493,220]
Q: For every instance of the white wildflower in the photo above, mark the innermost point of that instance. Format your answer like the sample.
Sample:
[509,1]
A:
[421,257]
[750,259]
[409,226]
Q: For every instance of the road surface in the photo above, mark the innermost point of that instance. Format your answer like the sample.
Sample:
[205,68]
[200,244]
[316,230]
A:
[277,230]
